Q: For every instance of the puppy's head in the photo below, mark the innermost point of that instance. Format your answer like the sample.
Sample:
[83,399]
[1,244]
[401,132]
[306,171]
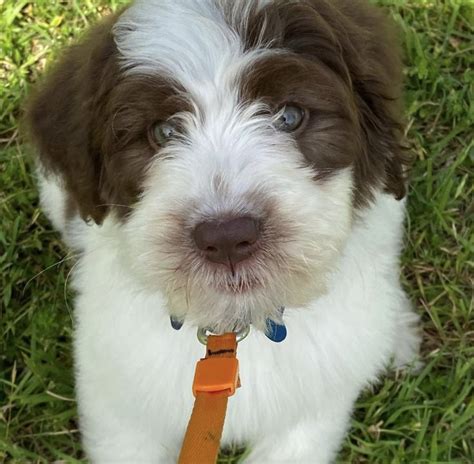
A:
[230,143]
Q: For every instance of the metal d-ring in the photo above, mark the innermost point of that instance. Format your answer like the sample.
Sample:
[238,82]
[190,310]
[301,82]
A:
[203,333]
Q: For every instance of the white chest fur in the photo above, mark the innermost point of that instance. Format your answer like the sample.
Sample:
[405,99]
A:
[134,372]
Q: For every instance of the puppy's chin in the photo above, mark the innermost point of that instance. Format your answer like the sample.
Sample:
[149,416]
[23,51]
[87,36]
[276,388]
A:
[231,305]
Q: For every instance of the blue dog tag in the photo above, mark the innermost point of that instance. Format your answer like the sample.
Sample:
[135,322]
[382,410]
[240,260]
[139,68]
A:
[176,323]
[276,332]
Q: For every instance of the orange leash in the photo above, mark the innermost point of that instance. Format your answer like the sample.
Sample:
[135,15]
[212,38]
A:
[216,378]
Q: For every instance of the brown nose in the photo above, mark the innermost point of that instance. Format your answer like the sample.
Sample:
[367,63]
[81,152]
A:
[227,242]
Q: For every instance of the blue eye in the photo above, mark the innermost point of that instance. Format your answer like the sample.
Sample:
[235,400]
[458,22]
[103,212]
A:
[162,132]
[289,118]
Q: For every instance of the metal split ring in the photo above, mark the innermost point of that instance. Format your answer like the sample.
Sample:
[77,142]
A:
[203,333]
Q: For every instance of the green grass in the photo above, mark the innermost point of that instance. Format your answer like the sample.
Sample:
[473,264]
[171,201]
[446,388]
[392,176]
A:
[423,418]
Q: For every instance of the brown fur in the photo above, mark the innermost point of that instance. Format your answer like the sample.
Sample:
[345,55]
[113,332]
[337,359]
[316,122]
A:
[64,118]
[342,63]
[92,124]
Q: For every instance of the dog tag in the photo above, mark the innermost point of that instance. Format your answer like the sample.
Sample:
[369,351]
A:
[176,323]
[276,332]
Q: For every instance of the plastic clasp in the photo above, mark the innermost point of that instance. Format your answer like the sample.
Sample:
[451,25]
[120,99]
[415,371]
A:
[216,375]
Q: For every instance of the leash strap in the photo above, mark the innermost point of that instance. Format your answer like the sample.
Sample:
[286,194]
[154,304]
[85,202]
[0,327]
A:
[216,378]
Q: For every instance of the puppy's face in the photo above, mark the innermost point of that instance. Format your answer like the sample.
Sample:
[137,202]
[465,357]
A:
[231,143]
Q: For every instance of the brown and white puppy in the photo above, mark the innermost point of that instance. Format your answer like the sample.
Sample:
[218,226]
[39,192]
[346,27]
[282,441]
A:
[216,160]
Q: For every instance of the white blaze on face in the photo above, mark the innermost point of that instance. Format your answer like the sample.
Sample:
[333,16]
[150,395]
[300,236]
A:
[230,162]
[187,40]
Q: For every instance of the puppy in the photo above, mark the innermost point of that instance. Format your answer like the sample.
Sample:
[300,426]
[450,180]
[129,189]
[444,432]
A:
[216,161]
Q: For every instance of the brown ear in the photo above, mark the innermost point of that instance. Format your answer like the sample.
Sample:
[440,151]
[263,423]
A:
[385,155]
[373,57]
[358,43]
[64,115]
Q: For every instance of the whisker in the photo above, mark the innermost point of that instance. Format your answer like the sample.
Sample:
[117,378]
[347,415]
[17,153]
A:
[119,205]
[58,263]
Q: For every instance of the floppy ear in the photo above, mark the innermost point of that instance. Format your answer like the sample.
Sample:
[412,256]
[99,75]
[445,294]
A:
[373,57]
[64,118]
[358,42]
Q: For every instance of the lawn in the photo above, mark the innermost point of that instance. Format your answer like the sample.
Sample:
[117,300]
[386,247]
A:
[407,418]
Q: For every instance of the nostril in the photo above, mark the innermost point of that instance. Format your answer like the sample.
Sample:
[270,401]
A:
[211,249]
[243,245]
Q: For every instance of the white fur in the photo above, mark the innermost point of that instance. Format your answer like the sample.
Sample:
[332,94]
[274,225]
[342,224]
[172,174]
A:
[134,371]
[337,272]
[152,34]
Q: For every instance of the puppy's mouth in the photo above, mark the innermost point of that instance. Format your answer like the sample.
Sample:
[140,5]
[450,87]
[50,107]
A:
[238,284]
[233,278]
